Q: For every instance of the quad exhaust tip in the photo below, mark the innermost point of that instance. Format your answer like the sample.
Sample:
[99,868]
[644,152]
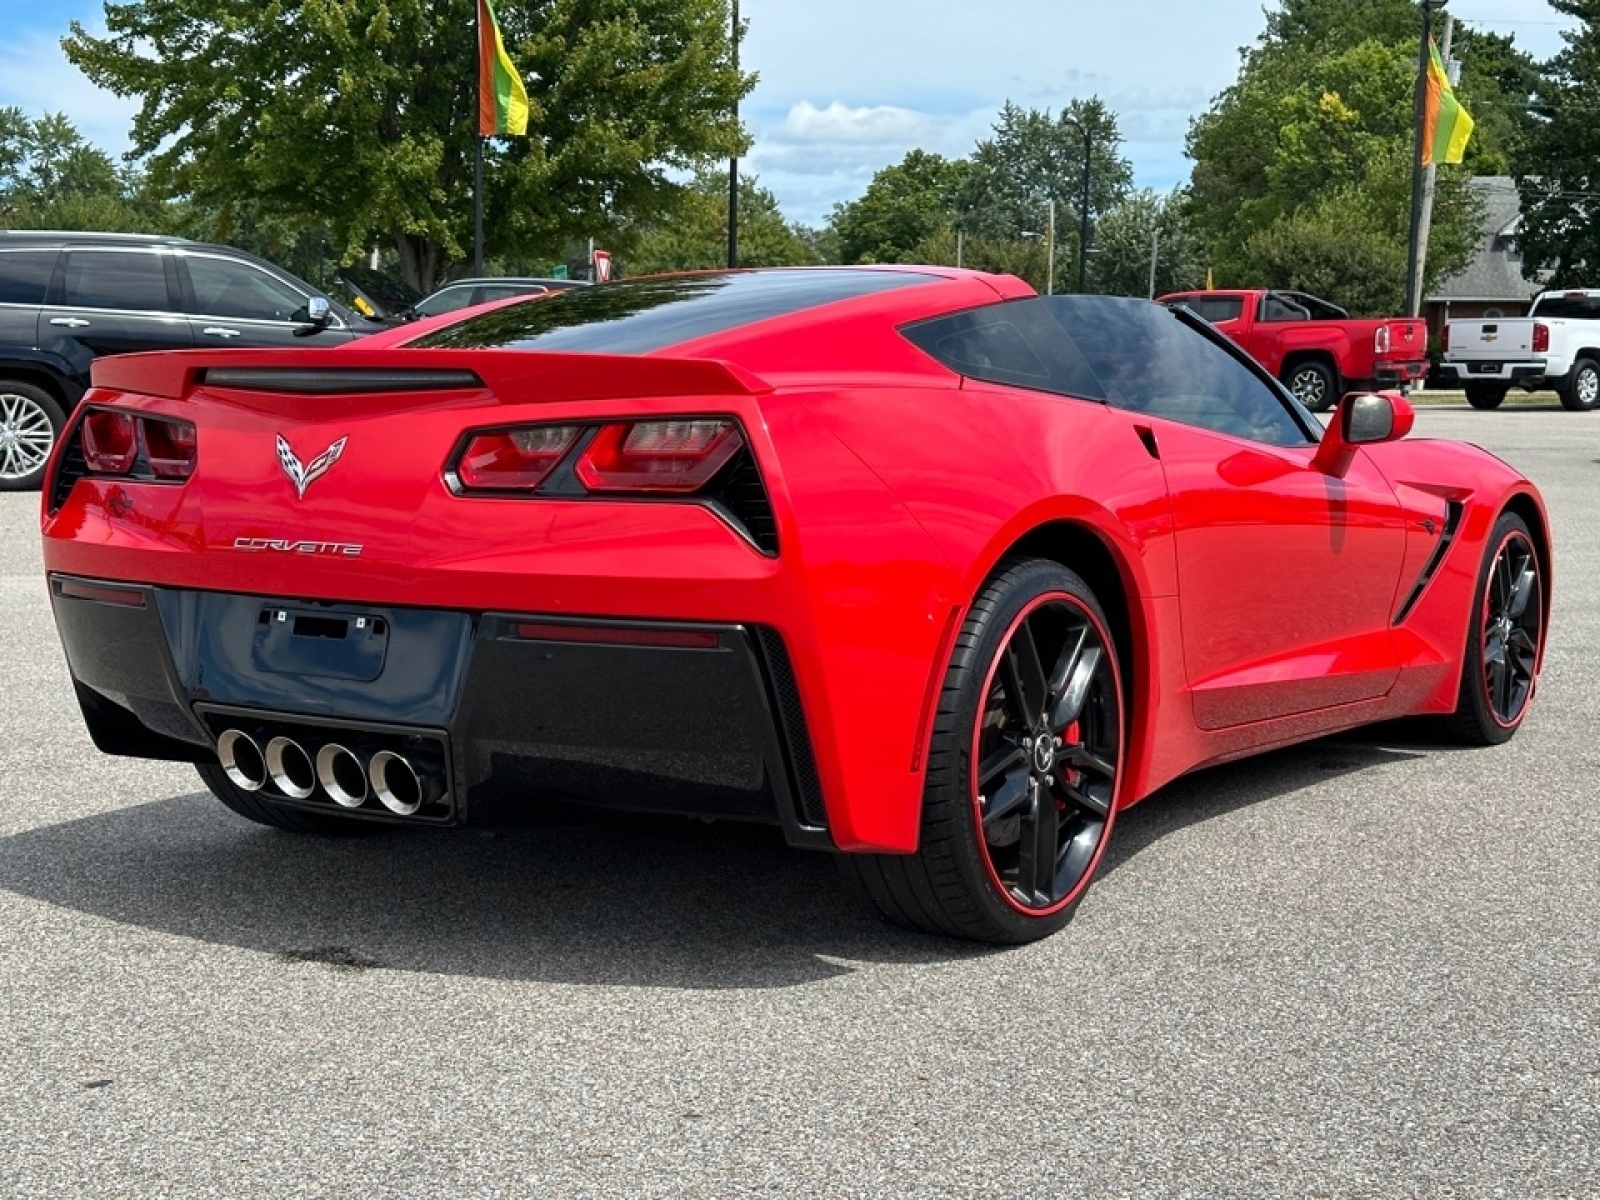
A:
[396,783]
[290,769]
[339,771]
[342,776]
[242,760]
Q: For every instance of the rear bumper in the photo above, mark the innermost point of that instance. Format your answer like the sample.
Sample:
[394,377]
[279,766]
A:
[1487,371]
[1387,373]
[678,717]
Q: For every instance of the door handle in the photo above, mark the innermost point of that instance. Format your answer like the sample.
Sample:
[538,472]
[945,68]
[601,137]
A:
[220,331]
[69,322]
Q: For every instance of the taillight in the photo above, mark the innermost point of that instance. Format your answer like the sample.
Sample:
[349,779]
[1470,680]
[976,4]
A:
[1541,338]
[674,457]
[110,442]
[1381,340]
[1444,337]
[515,459]
[124,443]
[169,447]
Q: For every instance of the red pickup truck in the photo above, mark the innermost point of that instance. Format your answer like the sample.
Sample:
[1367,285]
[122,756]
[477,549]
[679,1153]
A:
[1317,349]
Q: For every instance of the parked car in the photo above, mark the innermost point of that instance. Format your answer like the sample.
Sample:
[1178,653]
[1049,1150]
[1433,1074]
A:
[1317,349]
[913,564]
[68,298]
[1556,346]
[387,298]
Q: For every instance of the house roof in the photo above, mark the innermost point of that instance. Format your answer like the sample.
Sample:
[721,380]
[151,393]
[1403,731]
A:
[1495,271]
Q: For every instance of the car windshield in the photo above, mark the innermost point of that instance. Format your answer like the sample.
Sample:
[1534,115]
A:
[638,316]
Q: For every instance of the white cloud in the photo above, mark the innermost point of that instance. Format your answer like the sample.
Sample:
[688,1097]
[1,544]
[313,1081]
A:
[883,124]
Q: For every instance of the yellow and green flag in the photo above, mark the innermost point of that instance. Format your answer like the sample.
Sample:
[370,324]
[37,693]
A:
[502,100]
[1446,125]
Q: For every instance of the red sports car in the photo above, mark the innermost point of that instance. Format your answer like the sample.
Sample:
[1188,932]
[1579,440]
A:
[917,565]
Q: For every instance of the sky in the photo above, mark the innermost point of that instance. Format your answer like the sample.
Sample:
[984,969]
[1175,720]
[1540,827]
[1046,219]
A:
[850,86]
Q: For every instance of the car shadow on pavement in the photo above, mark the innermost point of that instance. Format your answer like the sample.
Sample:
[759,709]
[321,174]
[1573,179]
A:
[580,899]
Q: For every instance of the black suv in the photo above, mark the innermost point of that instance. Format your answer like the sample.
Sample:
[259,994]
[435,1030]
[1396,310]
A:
[67,298]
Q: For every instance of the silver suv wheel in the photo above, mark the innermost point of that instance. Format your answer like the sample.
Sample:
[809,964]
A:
[28,423]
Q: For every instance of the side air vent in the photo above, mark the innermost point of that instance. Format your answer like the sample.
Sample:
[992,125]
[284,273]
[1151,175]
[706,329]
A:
[804,781]
[70,468]
[739,495]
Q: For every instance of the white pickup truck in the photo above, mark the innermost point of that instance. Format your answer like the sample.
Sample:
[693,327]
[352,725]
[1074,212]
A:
[1557,346]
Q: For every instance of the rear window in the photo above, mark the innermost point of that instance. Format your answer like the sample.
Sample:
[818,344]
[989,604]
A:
[24,275]
[638,316]
[1214,308]
[1582,308]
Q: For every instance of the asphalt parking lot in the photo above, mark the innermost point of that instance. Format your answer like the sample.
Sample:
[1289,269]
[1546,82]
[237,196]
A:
[1367,966]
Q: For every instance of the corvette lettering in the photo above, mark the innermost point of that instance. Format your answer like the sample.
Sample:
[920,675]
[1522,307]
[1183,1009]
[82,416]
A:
[284,546]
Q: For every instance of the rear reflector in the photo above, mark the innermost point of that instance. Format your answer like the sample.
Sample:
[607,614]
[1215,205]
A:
[100,593]
[518,459]
[615,635]
[677,456]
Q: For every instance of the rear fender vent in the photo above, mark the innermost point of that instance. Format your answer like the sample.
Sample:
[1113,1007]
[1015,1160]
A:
[804,781]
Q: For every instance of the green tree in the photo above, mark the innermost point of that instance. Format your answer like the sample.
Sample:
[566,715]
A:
[902,206]
[1120,261]
[361,114]
[695,235]
[1558,168]
[50,178]
[1315,134]
[1033,158]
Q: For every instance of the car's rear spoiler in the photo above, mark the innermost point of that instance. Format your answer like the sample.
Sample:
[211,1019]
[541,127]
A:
[513,376]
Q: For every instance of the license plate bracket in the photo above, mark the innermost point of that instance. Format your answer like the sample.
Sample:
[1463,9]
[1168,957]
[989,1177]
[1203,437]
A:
[331,645]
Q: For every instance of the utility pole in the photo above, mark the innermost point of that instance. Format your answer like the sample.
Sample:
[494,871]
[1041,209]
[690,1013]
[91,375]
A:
[1430,176]
[1419,119]
[733,163]
[1050,248]
[1155,251]
[1083,223]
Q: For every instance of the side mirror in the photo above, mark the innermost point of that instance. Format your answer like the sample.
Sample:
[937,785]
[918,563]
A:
[1362,420]
[319,313]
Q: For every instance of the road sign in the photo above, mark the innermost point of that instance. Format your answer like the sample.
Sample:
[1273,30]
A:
[602,265]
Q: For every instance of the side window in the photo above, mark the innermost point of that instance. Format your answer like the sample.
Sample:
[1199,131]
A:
[25,275]
[1150,361]
[239,291]
[1016,343]
[500,292]
[448,300]
[121,279]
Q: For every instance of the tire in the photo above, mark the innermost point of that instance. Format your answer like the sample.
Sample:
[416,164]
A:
[30,421]
[1582,390]
[264,811]
[1486,395]
[1503,639]
[1013,829]
[1314,384]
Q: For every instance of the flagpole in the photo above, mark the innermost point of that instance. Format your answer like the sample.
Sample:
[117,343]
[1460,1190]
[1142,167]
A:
[1430,176]
[477,204]
[1419,119]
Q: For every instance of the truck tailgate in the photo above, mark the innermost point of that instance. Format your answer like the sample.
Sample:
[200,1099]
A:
[1494,340]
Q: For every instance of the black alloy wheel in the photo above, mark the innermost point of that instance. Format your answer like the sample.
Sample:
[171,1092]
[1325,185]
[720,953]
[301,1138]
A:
[1582,392]
[1024,767]
[1503,639]
[1314,384]
[1486,396]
